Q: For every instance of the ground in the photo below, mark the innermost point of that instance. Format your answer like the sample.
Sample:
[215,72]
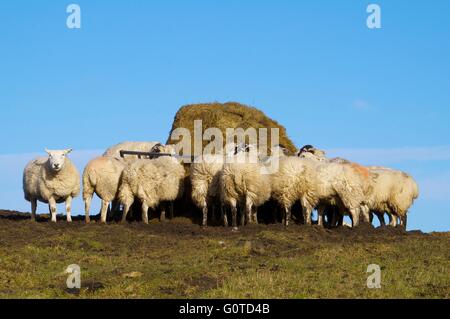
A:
[179,259]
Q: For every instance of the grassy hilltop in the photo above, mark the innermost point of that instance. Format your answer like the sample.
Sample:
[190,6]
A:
[178,259]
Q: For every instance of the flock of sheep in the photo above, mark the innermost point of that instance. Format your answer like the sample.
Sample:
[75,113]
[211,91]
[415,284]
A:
[235,181]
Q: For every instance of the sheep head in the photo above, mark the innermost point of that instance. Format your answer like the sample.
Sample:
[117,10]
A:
[57,159]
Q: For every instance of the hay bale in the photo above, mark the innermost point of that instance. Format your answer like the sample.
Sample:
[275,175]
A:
[227,115]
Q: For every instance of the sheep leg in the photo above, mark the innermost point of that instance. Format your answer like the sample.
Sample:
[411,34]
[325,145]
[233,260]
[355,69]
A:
[126,209]
[104,211]
[33,209]
[255,215]
[380,217]
[392,220]
[223,213]
[87,208]
[248,210]
[403,221]
[354,213]
[145,213]
[234,217]
[287,216]
[52,206]
[320,212]
[205,215]
[242,217]
[115,208]
[365,211]
[335,217]
[69,209]
[306,215]
[162,218]
[341,220]
[328,216]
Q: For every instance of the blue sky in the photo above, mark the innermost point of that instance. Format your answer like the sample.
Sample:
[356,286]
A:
[375,96]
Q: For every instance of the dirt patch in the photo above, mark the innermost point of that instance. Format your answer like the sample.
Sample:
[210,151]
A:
[202,283]
[89,286]
[182,228]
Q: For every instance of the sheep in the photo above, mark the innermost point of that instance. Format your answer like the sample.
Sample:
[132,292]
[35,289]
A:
[152,182]
[205,181]
[317,184]
[204,176]
[114,151]
[391,191]
[331,211]
[308,150]
[53,179]
[101,176]
[242,185]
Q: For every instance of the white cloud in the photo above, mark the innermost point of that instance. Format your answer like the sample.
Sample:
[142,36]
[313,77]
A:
[436,187]
[361,104]
[383,156]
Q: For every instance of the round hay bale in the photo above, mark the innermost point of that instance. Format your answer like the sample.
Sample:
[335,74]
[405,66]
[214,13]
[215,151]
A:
[227,115]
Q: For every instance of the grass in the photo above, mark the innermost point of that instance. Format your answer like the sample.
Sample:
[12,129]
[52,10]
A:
[180,260]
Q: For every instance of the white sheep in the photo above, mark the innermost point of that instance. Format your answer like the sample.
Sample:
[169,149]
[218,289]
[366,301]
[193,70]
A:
[205,180]
[204,176]
[101,176]
[114,151]
[390,190]
[53,179]
[153,182]
[244,185]
[318,184]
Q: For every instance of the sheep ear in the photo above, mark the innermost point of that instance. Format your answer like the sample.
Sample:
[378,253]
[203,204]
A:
[68,151]
[47,151]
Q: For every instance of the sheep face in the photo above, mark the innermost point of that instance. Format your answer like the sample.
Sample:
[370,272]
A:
[245,148]
[163,149]
[305,149]
[310,152]
[57,159]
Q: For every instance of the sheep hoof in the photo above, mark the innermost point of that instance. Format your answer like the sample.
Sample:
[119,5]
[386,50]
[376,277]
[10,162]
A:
[235,229]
